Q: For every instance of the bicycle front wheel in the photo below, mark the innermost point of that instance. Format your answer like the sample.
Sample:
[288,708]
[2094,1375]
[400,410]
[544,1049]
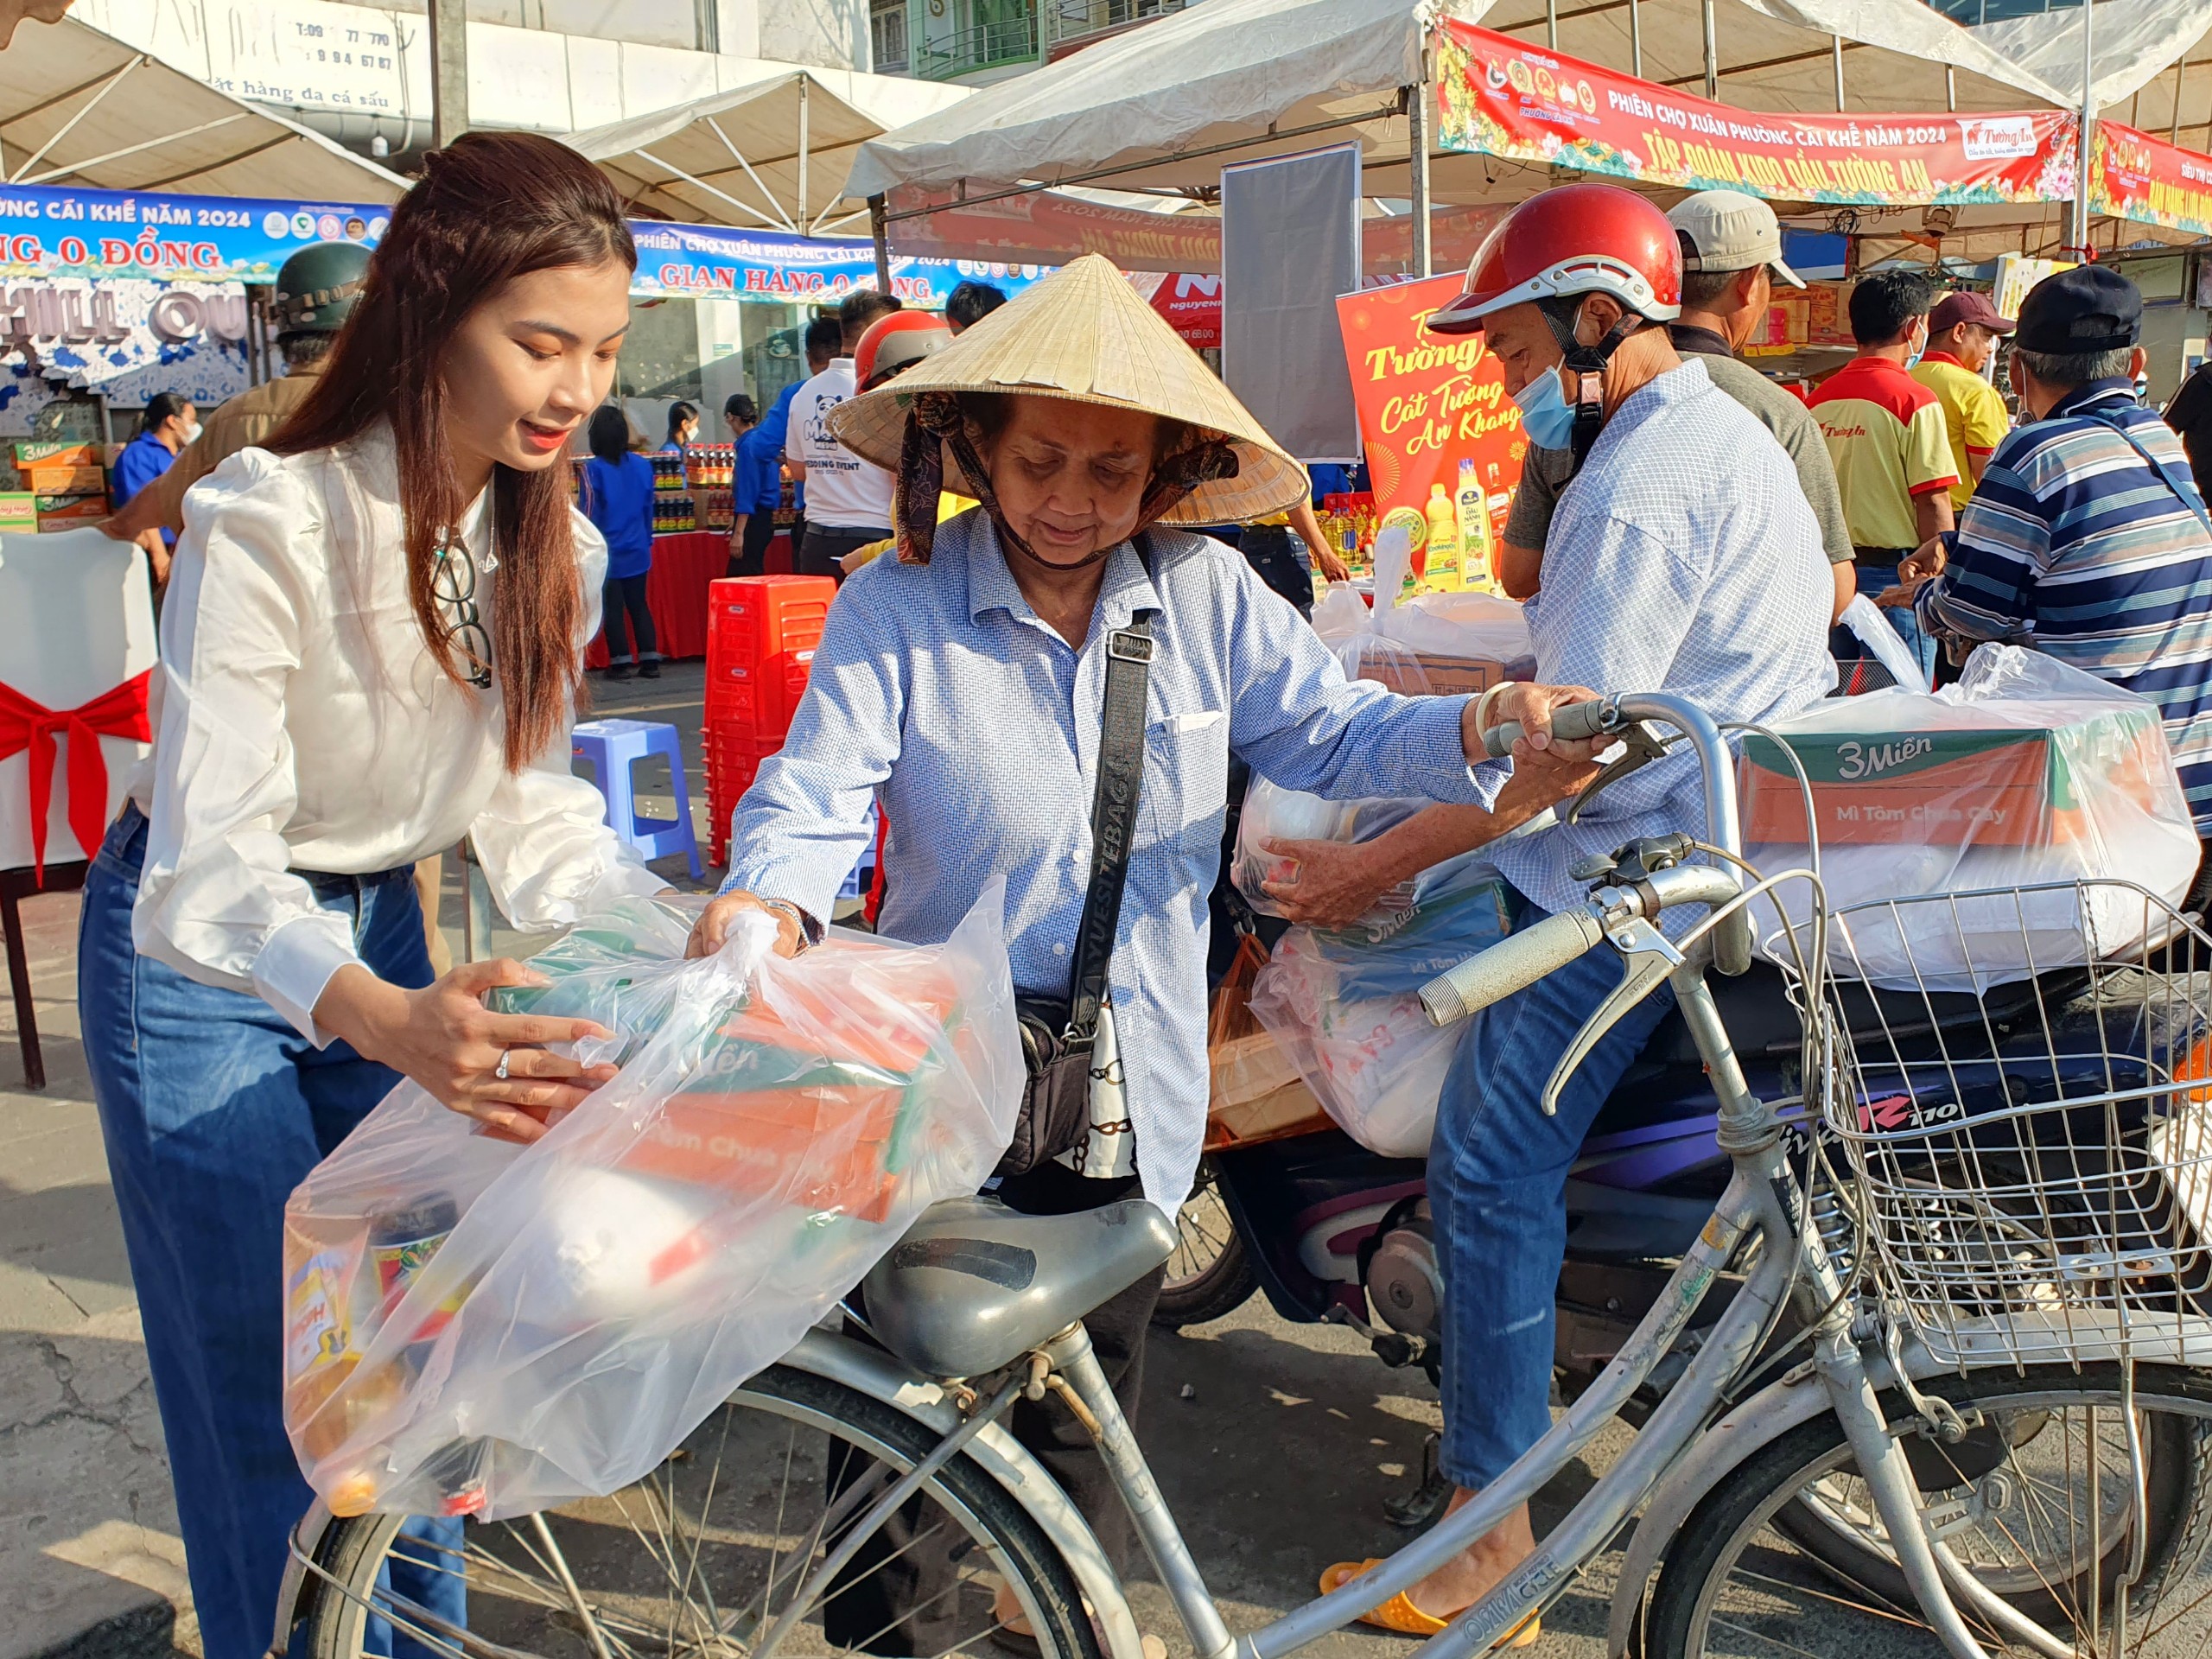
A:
[2040,1501]
[707,1554]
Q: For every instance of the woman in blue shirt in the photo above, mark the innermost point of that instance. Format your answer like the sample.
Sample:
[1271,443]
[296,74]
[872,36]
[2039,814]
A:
[169,424]
[619,499]
[683,428]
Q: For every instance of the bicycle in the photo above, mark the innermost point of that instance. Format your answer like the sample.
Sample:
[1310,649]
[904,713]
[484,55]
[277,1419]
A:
[1997,1425]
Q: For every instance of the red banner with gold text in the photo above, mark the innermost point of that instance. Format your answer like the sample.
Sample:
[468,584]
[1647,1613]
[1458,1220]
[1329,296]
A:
[1427,401]
[2134,175]
[1498,96]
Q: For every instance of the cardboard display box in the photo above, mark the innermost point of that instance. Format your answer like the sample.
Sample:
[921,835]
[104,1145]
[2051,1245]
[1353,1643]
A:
[54,478]
[69,511]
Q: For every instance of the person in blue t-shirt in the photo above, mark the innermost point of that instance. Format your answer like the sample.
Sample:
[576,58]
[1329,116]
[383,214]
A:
[169,424]
[757,490]
[619,499]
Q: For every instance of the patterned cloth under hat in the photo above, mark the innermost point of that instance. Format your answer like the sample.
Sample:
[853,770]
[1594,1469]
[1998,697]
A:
[1083,333]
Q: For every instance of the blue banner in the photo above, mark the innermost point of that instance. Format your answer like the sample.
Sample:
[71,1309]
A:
[142,233]
[704,262]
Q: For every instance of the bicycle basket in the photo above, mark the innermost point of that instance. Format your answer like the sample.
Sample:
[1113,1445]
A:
[2031,1167]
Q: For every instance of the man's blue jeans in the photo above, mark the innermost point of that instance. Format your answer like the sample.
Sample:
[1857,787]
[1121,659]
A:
[1873,579]
[1498,1173]
[214,1108]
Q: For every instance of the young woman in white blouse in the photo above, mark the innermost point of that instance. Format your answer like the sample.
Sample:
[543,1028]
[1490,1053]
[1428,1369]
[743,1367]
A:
[371,649]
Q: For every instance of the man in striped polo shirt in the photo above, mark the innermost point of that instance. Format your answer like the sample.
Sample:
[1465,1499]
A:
[2088,537]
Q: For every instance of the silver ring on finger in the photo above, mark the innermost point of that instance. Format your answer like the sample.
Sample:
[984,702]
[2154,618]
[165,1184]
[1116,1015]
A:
[500,1070]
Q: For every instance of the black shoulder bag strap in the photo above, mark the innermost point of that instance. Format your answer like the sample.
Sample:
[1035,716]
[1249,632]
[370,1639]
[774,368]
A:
[2191,496]
[1112,813]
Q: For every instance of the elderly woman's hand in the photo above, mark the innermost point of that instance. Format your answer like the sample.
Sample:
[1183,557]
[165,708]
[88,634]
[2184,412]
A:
[1332,883]
[1530,707]
[712,928]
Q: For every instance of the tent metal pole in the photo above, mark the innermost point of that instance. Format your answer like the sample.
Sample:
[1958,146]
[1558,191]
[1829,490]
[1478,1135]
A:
[2088,132]
[1551,24]
[1636,39]
[1417,164]
[2181,74]
[1951,88]
[1835,58]
[449,22]
[879,227]
[799,218]
[1711,56]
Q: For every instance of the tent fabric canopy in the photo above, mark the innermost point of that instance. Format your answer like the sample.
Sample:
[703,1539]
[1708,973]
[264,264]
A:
[773,155]
[80,107]
[1160,107]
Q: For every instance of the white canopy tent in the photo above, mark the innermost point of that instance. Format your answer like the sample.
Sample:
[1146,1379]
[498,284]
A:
[79,107]
[773,155]
[1162,107]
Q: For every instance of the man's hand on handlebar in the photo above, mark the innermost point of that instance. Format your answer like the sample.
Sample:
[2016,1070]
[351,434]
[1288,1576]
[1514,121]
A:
[1530,708]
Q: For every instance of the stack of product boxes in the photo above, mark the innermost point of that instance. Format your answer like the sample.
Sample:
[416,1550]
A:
[55,486]
[761,632]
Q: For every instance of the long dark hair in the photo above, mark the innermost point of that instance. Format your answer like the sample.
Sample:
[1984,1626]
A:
[162,406]
[608,434]
[490,207]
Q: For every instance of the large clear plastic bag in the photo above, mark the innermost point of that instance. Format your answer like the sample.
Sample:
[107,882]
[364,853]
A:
[2025,773]
[1273,813]
[1345,1006]
[477,1327]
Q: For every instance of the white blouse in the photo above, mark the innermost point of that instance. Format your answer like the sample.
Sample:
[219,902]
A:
[301,723]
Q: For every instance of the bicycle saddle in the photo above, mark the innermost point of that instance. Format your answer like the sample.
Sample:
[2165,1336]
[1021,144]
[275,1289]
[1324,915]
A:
[974,1285]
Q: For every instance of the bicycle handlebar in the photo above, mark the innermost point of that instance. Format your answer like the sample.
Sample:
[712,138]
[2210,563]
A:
[1573,723]
[1517,960]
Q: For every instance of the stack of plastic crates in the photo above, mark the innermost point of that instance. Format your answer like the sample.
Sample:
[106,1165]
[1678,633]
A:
[761,634]
[2024,1120]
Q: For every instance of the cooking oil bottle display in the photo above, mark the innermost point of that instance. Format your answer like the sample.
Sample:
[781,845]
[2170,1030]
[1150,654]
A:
[1476,572]
[1441,567]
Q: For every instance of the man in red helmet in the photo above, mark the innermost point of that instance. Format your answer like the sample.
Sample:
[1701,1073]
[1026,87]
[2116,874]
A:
[1683,559]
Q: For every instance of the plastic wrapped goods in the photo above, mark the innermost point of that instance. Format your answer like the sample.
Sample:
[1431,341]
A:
[478,1327]
[1272,813]
[1345,1006]
[2026,772]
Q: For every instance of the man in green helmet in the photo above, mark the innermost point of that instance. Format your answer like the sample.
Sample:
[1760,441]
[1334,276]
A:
[315,292]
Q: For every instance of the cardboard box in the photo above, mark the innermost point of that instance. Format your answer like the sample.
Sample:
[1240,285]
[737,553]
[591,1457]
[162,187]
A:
[58,454]
[68,512]
[18,511]
[1427,673]
[52,478]
[2008,786]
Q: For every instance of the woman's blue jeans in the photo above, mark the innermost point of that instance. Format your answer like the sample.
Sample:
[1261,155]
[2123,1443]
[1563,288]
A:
[1497,1173]
[213,1109]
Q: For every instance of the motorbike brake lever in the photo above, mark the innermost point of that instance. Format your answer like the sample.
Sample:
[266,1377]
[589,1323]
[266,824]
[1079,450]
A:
[1652,957]
[1645,744]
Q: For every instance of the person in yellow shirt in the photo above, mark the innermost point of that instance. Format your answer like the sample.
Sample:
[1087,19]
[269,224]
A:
[1962,335]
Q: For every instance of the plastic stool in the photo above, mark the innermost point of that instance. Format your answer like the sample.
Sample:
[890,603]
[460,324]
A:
[614,747]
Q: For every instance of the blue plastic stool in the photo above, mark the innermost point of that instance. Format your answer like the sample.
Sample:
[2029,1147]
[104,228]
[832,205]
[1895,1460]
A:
[614,747]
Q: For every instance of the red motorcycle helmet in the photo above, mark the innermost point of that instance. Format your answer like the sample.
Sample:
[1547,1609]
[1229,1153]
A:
[895,341]
[1578,238]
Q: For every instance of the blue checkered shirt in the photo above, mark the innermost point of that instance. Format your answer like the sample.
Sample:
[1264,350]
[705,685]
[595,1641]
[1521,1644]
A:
[1683,558]
[938,692]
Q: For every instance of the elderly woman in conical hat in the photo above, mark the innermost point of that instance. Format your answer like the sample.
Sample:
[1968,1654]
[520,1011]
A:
[962,685]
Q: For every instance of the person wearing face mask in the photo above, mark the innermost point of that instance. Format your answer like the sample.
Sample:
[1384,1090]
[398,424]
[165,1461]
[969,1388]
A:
[371,648]
[1962,335]
[2087,536]
[966,684]
[1885,434]
[168,423]
[1683,558]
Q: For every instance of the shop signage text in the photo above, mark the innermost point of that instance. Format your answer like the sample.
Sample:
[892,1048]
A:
[2134,175]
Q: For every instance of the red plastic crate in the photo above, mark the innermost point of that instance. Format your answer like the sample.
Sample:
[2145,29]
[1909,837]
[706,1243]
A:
[753,618]
[756,697]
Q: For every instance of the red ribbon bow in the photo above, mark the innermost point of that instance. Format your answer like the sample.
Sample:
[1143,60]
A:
[28,725]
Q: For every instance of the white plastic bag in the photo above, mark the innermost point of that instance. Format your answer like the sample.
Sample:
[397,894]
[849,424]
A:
[1345,1006]
[479,1327]
[2026,772]
[1872,630]
[1339,613]
[1273,813]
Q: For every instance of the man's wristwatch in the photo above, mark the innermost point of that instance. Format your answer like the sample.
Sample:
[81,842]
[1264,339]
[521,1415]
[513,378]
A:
[810,931]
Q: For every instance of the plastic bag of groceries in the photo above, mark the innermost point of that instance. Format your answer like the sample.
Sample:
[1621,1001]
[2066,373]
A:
[1273,813]
[1345,1006]
[1434,644]
[2025,773]
[479,1327]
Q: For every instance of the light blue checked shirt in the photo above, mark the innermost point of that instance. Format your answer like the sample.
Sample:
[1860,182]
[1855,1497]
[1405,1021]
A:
[938,690]
[1683,558]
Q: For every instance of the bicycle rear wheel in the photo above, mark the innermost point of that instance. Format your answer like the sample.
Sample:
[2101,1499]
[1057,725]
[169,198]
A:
[703,1556]
[1210,1274]
[1786,1555]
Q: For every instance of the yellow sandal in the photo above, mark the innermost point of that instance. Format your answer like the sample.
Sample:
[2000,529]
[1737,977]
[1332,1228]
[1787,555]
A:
[1399,1613]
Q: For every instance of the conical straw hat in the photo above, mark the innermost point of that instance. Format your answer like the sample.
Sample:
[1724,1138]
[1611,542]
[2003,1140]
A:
[1083,333]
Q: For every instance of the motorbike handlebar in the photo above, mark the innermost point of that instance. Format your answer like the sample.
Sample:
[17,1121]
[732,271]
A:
[1516,962]
[1573,723]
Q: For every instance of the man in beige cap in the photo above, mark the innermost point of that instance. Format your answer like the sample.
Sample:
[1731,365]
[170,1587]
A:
[1731,257]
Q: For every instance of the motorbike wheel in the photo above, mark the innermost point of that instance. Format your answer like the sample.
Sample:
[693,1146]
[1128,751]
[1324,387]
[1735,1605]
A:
[1757,1567]
[1210,1274]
